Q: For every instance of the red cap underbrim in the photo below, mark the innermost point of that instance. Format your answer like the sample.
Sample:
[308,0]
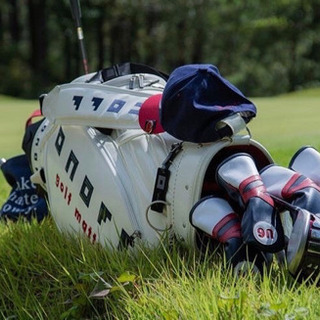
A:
[149,115]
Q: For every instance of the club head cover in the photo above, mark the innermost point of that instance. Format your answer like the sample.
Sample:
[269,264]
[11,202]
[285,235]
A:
[261,226]
[215,217]
[307,162]
[293,187]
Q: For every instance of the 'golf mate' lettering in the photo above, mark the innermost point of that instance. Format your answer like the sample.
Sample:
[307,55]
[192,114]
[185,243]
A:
[86,190]
[67,195]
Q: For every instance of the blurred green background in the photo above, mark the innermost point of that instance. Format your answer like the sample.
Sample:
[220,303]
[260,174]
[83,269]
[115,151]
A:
[263,47]
[266,48]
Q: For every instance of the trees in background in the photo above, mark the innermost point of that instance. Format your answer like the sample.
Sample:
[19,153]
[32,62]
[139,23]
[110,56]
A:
[263,47]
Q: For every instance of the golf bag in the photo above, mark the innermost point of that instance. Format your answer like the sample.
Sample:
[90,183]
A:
[111,172]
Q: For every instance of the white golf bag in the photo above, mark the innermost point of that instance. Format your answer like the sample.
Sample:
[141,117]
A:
[110,180]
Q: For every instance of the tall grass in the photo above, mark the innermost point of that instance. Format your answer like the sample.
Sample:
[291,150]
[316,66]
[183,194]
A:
[47,275]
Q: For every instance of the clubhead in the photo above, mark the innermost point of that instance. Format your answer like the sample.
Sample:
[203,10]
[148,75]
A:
[303,251]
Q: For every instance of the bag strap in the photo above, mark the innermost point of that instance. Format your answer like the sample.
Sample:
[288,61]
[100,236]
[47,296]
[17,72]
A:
[123,69]
[34,114]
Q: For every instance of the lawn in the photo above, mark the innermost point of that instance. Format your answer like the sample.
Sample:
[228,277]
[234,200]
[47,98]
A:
[44,275]
[14,113]
[285,123]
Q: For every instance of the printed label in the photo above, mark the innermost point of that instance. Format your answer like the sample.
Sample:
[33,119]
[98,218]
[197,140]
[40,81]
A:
[265,233]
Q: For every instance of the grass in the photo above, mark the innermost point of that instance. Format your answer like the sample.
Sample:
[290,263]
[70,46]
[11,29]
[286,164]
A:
[14,113]
[45,275]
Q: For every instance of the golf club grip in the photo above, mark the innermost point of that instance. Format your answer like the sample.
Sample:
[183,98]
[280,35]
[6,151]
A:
[76,11]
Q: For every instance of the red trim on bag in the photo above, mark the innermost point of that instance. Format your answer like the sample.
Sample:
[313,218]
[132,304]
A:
[259,190]
[210,186]
[233,232]
[289,189]
[34,114]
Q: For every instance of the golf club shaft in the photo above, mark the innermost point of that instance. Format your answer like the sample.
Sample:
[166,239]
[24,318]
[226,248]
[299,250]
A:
[76,13]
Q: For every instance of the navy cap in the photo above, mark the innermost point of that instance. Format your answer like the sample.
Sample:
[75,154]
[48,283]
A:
[195,98]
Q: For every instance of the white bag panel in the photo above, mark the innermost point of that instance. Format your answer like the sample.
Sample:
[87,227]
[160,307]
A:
[108,105]
[185,184]
[142,155]
[187,177]
[37,156]
[73,206]
[122,177]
